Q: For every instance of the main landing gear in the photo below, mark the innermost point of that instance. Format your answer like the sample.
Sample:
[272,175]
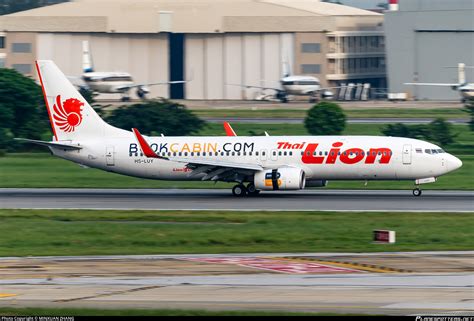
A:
[241,191]
[417,192]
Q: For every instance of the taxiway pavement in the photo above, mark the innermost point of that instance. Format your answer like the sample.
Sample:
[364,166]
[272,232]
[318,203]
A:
[430,282]
[222,199]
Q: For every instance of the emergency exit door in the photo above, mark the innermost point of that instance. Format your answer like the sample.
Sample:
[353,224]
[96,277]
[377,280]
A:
[110,156]
[406,154]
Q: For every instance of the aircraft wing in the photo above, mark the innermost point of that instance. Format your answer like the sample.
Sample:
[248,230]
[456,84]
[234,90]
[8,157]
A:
[257,87]
[430,84]
[50,144]
[214,170]
[152,84]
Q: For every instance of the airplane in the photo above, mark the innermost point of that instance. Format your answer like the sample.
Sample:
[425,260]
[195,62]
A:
[466,90]
[108,82]
[294,85]
[255,164]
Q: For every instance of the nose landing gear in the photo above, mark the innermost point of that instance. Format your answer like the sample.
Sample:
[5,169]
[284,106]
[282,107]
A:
[417,192]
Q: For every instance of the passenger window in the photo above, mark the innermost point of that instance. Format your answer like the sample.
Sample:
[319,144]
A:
[174,154]
[233,153]
[204,154]
[198,153]
[186,154]
[291,153]
[274,153]
[256,153]
[284,153]
[279,153]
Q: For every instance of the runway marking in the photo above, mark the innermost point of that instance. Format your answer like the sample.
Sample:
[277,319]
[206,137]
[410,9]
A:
[277,265]
[7,295]
[353,265]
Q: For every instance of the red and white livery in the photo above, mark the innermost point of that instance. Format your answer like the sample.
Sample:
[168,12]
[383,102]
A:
[254,163]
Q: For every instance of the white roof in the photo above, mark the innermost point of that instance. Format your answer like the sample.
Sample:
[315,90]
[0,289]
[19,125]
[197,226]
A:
[187,16]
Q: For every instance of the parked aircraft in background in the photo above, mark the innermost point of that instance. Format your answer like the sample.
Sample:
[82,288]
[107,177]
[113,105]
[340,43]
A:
[255,164]
[109,82]
[466,90]
[294,85]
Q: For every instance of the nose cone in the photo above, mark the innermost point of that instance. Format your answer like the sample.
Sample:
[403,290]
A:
[454,163]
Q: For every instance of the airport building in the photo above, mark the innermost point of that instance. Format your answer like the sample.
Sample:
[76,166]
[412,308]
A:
[424,38]
[214,43]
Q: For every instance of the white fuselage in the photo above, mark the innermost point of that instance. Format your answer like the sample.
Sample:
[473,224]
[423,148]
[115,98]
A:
[108,82]
[300,85]
[353,158]
[467,91]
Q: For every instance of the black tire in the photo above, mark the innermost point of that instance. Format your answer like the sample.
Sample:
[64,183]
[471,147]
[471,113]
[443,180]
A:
[251,190]
[417,192]
[239,190]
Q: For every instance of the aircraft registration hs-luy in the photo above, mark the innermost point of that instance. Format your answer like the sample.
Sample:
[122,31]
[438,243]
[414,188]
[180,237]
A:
[264,163]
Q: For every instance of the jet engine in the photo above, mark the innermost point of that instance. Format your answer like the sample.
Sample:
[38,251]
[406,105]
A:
[288,178]
[142,91]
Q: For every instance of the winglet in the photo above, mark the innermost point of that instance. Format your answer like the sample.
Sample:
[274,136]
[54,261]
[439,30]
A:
[229,130]
[146,149]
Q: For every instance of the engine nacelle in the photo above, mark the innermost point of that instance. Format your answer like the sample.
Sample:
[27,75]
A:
[287,178]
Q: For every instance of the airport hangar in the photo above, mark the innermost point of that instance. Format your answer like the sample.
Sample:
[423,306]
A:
[423,37]
[212,42]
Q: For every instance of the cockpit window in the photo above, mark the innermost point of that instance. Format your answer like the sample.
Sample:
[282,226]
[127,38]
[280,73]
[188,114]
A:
[428,151]
[440,151]
[434,151]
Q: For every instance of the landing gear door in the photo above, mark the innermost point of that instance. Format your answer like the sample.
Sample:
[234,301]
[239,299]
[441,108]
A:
[406,154]
[110,156]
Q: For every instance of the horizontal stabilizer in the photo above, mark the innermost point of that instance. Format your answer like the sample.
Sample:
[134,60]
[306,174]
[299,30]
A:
[50,144]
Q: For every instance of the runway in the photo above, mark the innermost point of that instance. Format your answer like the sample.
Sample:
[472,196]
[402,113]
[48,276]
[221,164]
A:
[222,199]
[407,282]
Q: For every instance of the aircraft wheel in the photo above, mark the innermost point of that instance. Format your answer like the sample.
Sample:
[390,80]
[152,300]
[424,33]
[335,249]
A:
[251,190]
[417,192]
[239,190]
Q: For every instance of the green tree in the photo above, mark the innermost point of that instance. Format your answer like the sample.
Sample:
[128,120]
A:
[157,117]
[22,109]
[438,131]
[469,108]
[441,132]
[325,118]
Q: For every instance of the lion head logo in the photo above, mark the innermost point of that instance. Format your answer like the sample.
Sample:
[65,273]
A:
[67,115]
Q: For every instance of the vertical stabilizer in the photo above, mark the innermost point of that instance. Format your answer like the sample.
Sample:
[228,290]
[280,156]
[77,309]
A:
[461,73]
[286,68]
[71,116]
[87,64]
